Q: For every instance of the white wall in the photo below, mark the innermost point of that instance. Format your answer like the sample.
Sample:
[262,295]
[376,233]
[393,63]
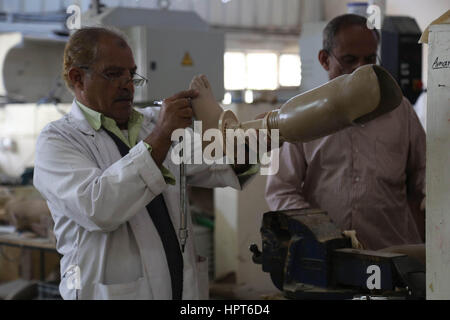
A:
[438,170]
[424,12]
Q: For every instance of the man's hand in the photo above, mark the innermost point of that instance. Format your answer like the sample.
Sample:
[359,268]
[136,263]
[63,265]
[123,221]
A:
[176,113]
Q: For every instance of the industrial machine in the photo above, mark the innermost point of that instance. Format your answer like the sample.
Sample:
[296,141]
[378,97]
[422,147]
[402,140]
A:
[307,257]
[30,68]
[401,54]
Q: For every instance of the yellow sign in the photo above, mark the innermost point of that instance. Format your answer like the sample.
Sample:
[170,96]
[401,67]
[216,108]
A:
[187,60]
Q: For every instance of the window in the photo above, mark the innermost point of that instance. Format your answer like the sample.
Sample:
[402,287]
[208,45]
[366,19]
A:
[290,70]
[261,70]
[235,71]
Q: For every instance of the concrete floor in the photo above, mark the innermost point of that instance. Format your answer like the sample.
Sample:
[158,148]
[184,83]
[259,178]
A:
[226,288]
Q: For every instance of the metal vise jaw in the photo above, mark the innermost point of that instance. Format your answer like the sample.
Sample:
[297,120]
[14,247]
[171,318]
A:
[307,256]
[298,246]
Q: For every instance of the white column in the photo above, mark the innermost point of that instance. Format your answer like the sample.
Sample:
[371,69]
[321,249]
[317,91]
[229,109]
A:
[438,165]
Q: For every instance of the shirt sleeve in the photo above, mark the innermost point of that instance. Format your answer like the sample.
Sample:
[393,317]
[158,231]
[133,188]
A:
[284,184]
[168,176]
[415,168]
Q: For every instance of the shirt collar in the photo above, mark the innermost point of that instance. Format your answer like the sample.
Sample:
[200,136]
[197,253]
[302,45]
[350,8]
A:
[96,119]
[93,117]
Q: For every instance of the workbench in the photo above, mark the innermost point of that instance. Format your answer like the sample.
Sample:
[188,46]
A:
[20,241]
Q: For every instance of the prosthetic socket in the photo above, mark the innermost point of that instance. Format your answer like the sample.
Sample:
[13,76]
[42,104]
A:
[356,98]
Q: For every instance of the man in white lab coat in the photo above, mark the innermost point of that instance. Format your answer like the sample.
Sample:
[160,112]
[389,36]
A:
[103,168]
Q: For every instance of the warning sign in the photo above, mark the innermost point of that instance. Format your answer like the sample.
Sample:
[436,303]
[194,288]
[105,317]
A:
[187,60]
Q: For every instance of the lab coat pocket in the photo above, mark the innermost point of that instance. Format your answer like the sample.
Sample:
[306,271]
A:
[203,278]
[135,290]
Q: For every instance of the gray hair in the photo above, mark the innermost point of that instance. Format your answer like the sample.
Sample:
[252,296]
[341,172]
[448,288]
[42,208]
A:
[82,48]
[345,20]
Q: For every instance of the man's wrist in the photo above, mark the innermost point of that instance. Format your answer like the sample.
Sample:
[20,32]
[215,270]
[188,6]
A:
[157,136]
[160,144]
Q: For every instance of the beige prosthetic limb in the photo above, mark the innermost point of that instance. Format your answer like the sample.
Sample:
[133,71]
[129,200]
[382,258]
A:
[205,107]
[370,91]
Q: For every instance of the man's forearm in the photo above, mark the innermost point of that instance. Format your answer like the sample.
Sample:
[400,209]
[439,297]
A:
[160,144]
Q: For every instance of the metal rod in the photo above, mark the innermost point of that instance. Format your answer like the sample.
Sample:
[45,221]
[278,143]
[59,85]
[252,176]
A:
[183,232]
[183,204]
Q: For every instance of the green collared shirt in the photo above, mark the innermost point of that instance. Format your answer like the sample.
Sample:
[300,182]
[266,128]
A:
[97,120]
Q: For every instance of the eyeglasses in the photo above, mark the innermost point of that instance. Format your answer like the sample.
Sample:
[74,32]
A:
[117,77]
[352,65]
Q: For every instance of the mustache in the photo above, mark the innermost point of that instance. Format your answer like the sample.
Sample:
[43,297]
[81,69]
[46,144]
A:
[125,97]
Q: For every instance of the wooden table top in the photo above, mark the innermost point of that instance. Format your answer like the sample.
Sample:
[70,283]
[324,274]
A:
[19,240]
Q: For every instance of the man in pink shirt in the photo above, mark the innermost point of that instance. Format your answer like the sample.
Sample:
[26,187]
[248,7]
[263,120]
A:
[368,178]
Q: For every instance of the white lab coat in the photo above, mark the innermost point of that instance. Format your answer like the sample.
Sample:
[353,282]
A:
[97,200]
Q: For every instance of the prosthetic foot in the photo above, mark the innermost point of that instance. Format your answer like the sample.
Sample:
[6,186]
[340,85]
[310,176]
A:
[205,106]
[210,113]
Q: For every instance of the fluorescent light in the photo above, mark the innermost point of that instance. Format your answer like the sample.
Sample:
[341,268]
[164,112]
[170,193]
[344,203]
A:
[248,98]
[227,98]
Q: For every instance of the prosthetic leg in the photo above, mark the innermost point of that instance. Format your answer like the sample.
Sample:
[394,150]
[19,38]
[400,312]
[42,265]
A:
[367,93]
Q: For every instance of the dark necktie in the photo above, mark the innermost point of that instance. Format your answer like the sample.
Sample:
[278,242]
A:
[159,214]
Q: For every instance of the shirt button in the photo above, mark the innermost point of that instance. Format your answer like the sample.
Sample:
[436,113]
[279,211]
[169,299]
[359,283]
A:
[357,179]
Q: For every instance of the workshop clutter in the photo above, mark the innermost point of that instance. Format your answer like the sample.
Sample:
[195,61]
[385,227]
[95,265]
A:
[25,217]
[26,210]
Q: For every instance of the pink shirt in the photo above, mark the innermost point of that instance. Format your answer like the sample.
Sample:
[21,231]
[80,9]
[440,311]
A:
[368,178]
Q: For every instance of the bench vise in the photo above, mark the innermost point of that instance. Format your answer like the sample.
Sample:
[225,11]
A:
[307,257]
